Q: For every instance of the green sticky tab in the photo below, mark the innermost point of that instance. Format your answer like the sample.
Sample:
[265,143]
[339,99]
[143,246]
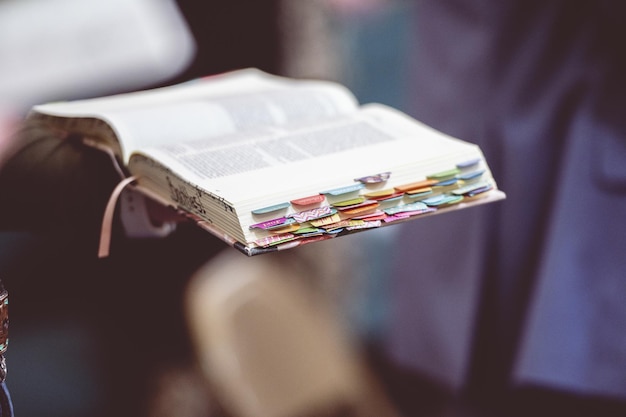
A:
[350,202]
[440,176]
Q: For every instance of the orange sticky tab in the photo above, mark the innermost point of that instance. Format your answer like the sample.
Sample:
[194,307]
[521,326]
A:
[361,208]
[415,185]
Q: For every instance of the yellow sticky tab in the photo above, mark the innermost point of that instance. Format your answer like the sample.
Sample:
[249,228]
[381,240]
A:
[415,185]
[424,190]
[324,221]
[379,193]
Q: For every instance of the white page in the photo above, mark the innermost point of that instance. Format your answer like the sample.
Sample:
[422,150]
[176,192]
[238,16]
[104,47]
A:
[240,101]
[354,145]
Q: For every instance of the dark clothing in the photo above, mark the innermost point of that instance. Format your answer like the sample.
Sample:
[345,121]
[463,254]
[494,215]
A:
[528,291]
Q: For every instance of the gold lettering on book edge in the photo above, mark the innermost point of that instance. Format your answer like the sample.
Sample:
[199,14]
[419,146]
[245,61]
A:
[190,197]
[182,197]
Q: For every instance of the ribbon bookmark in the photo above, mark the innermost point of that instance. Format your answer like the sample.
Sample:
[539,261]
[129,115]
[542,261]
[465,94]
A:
[107,219]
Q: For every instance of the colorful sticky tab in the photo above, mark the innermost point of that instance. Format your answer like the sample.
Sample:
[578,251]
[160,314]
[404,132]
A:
[468,164]
[420,191]
[270,209]
[444,175]
[351,202]
[281,221]
[374,179]
[274,239]
[415,185]
[375,215]
[406,214]
[324,221]
[442,200]
[360,208]
[343,223]
[446,183]
[286,228]
[479,191]
[387,198]
[471,175]
[415,206]
[435,200]
[344,190]
[308,231]
[421,195]
[305,216]
[365,225]
[308,201]
[379,193]
[470,187]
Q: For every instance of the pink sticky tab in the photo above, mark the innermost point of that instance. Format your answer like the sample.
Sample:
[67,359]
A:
[305,216]
[307,201]
[275,239]
[281,221]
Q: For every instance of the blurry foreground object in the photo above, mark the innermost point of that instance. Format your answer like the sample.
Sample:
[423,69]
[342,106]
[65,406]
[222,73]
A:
[61,49]
[269,347]
[6,406]
[53,184]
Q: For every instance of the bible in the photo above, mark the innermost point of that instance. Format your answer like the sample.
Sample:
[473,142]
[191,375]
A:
[266,162]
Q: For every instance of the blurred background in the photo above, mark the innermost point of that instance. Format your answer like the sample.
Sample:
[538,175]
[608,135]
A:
[486,313]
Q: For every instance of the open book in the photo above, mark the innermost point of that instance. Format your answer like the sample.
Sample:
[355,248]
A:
[267,162]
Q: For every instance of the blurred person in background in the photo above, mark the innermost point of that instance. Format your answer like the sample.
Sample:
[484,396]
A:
[517,308]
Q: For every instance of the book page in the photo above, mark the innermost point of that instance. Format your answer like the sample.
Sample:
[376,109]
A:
[242,101]
[260,166]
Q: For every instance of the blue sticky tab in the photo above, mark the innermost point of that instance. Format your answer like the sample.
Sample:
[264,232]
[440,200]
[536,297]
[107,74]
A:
[415,206]
[445,183]
[480,190]
[344,190]
[443,200]
[433,201]
[270,209]
[471,175]
[467,164]
[470,188]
